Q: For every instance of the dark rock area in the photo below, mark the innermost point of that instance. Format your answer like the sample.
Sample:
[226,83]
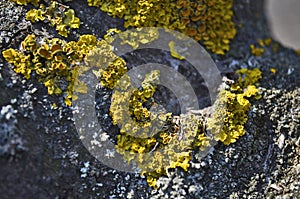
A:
[42,156]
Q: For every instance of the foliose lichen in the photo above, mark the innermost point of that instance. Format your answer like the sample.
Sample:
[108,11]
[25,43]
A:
[172,145]
[230,114]
[25,2]
[176,136]
[207,21]
[54,61]
[56,14]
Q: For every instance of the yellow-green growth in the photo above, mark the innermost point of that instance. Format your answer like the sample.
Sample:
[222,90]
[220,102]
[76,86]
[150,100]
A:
[133,38]
[258,50]
[209,21]
[20,62]
[127,108]
[174,51]
[56,13]
[25,2]
[110,66]
[174,139]
[53,60]
[230,114]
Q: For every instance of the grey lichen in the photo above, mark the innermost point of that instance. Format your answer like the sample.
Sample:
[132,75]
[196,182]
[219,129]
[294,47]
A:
[10,141]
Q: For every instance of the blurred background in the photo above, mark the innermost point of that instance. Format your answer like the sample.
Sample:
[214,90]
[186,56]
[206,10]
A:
[284,21]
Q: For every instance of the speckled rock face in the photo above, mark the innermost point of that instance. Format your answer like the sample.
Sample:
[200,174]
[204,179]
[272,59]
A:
[41,154]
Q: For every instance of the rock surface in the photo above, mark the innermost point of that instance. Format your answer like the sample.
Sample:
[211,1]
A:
[41,155]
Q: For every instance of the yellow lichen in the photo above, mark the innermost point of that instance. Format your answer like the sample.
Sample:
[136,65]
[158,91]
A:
[230,114]
[70,19]
[25,2]
[174,52]
[110,66]
[20,62]
[173,143]
[133,38]
[298,52]
[173,140]
[207,21]
[273,70]
[248,77]
[56,13]
[257,51]
[53,60]
[35,15]
[263,43]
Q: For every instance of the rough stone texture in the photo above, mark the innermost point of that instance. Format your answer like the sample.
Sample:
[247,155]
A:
[42,156]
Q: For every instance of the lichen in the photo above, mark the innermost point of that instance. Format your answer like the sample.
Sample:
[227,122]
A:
[19,60]
[174,52]
[257,51]
[174,137]
[110,66]
[134,38]
[57,14]
[207,21]
[25,2]
[173,143]
[230,114]
[155,141]
[259,48]
[52,61]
